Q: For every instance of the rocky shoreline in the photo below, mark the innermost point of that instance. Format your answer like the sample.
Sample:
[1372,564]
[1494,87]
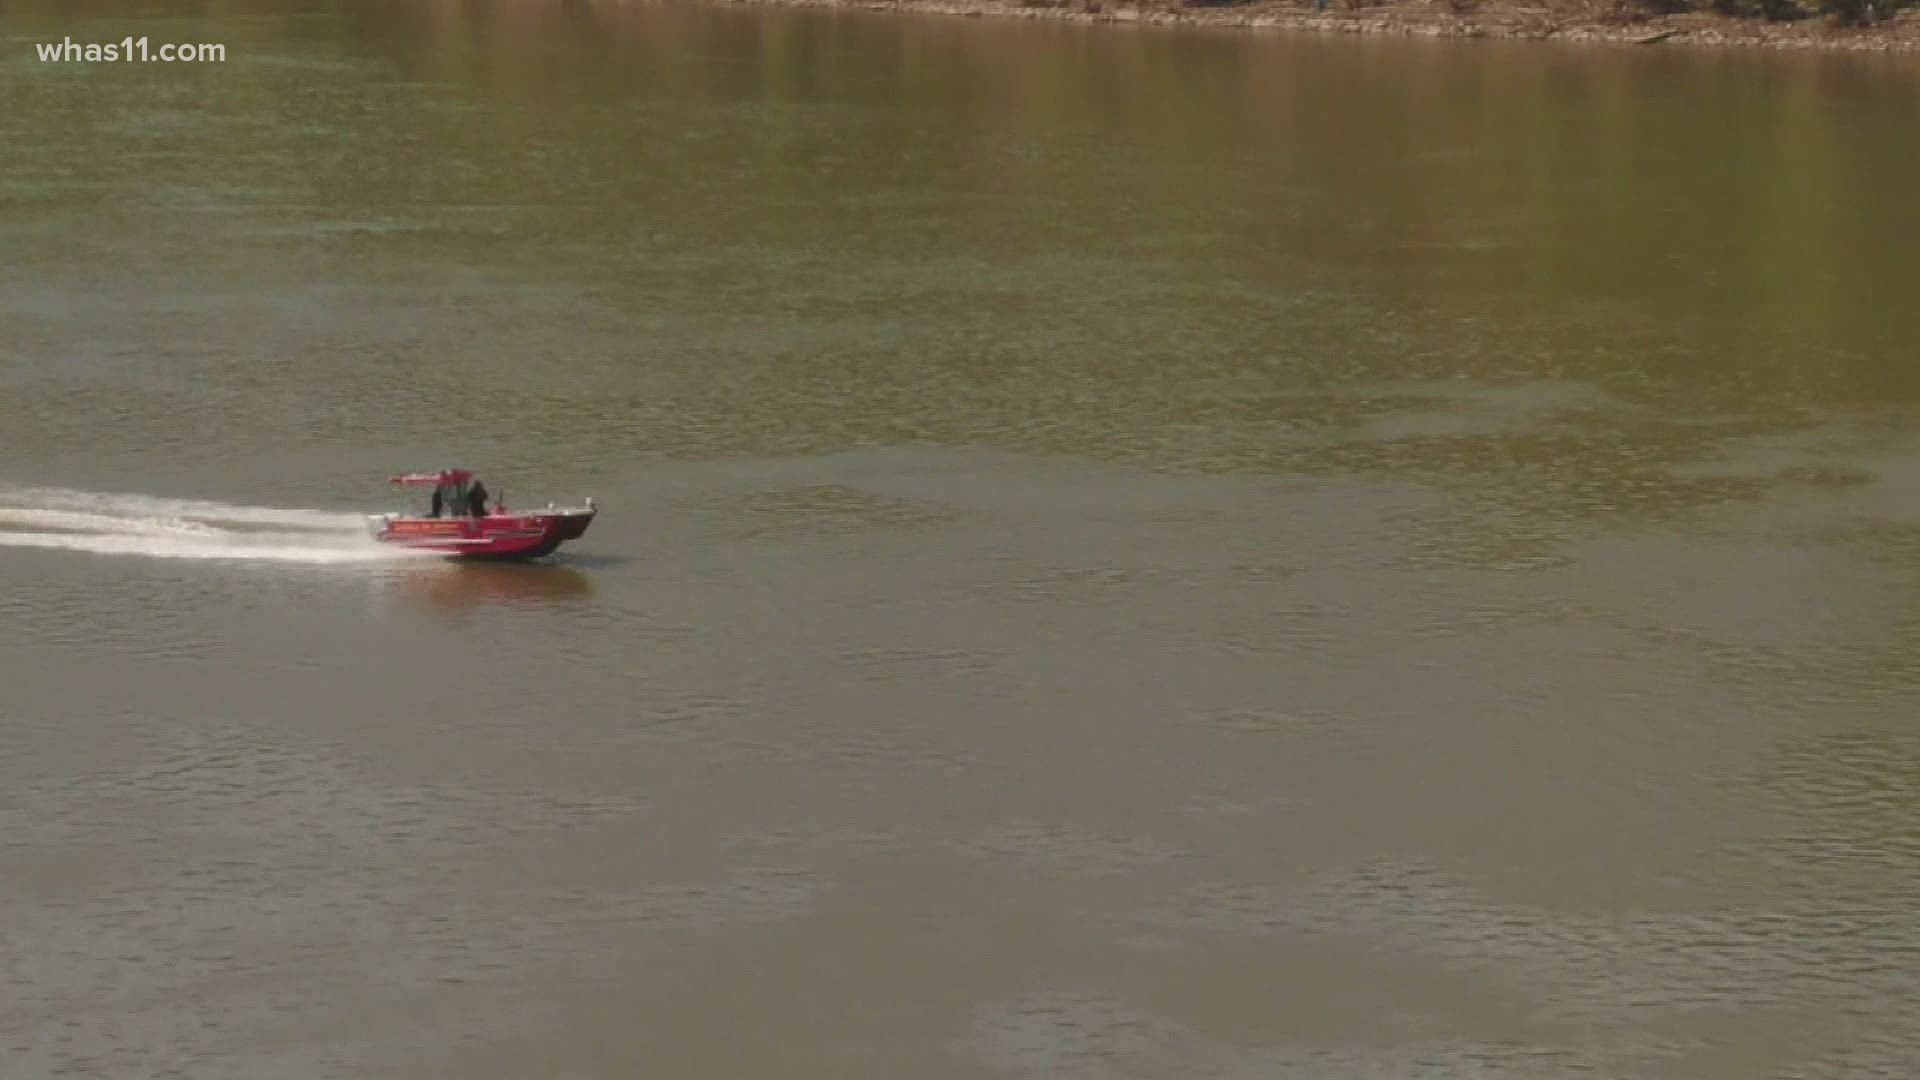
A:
[1422,18]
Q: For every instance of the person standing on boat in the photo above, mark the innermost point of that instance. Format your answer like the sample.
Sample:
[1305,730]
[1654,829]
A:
[477,499]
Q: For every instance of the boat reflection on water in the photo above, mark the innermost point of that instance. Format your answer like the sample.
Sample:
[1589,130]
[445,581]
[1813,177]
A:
[456,586]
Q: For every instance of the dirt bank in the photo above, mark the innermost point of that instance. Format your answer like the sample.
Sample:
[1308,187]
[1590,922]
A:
[1598,21]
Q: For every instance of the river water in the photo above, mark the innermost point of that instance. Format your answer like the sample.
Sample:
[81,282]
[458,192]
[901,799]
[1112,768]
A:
[1123,553]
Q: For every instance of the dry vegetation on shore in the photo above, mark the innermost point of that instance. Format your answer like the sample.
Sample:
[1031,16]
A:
[1871,25]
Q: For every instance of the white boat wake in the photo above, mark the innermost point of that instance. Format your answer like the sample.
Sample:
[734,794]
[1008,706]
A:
[104,523]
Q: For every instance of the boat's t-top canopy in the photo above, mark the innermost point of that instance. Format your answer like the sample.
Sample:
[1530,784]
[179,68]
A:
[457,477]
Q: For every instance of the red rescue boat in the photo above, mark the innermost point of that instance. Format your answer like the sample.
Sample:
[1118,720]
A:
[460,524]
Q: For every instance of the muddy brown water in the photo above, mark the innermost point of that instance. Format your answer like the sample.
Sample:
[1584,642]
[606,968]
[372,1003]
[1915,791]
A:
[1123,553]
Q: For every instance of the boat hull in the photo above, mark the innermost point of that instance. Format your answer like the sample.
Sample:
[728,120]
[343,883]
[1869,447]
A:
[493,538]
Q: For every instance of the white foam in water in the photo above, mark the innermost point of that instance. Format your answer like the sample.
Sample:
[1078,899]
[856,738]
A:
[153,508]
[103,523]
[22,519]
